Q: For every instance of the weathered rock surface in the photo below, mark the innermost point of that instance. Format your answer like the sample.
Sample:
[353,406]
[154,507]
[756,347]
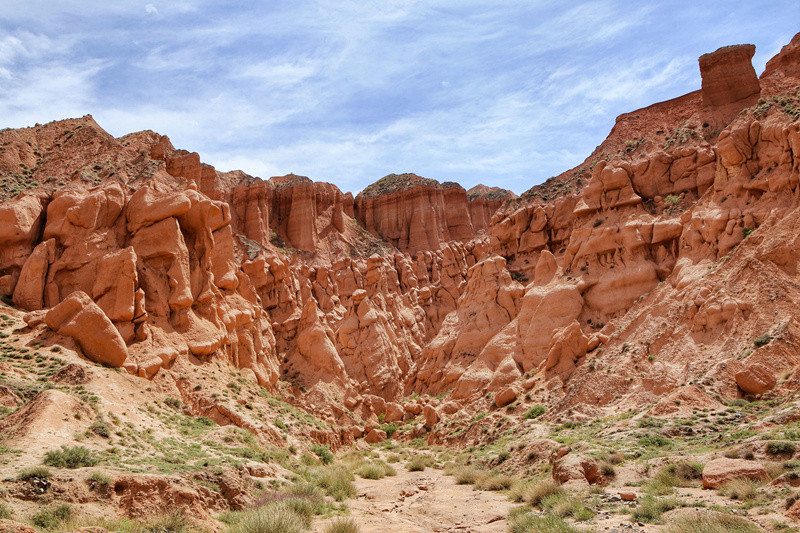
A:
[720,471]
[79,317]
[730,83]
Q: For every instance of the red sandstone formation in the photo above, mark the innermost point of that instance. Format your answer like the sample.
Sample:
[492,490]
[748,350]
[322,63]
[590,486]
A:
[592,293]
[417,214]
[483,202]
[730,83]
[783,70]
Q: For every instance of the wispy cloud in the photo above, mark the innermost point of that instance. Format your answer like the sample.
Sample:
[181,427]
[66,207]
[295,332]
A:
[347,91]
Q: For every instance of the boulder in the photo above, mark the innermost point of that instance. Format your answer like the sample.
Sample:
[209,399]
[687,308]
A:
[394,412]
[431,416]
[375,436]
[505,397]
[720,471]
[29,292]
[755,379]
[80,318]
[10,526]
[576,468]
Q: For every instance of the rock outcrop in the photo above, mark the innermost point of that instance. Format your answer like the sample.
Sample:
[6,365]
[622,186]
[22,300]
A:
[77,316]
[417,214]
[730,83]
[720,471]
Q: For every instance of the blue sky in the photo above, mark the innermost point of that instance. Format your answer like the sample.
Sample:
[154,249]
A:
[504,93]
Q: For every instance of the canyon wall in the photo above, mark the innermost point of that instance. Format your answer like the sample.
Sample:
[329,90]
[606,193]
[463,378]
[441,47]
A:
[633,276]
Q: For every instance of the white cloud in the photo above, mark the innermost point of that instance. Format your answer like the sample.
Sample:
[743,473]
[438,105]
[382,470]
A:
[351,90]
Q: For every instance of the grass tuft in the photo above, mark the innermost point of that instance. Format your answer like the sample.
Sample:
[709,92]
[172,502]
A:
[711,522]
[342,525]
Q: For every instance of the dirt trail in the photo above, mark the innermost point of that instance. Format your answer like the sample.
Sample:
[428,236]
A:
[425,502]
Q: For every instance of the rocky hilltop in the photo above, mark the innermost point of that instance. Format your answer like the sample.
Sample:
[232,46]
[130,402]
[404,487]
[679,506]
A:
[656,280]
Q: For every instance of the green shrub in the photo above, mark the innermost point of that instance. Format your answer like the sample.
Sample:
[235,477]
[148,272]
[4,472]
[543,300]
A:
[5,512]
[342,525]
[539,491]
[525,522]
[280,424]
[172,402]
[763,340]
[518,490]
[650,509]
[681,474]
[390,429]
[334,480]
[41,472]
[304,489]
[101,429]
[562,505]
[607,469]
[739,489]
[465,474]
[711,522]
[747,231]
[272,518]
[651,440]
[70,457]
[375,470]
[416,464]
[494,482]
[777,447]
[324,454]
[52,517]
[171,522]
[535,412]
[98,478]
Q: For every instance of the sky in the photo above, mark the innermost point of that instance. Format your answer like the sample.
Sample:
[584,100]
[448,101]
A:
[504,93]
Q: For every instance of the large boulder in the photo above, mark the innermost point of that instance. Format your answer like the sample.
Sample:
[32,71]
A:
[755,379]
[505,397]
[431,416]
[720,471]
[375,436]
[575,468]
[80,318]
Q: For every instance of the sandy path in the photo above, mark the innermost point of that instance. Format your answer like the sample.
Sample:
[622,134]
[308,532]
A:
[425,502]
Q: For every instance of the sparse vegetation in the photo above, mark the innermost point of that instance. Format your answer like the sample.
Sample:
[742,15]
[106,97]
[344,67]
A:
[416,464]
[739,489]
[52,517]
[324,454]
[274,518]
[526,522]
[536,493]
